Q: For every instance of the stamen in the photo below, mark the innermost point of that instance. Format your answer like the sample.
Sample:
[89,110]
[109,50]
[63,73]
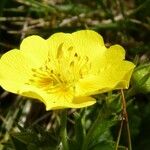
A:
[75,55]
[60,51]
[70,48]
[62,73]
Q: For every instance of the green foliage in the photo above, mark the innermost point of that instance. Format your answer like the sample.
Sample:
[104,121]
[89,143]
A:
[141,78]
[32,139]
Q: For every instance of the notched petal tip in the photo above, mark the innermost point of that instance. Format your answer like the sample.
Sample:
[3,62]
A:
[31,41]
[126,76]
[57,39]
[14,66]
[89,35]
[115,52]
[35,48]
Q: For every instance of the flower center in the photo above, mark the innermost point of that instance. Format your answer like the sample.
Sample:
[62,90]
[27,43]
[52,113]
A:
[61,73]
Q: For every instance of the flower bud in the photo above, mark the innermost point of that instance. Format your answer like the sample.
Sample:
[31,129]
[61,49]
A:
[141,78]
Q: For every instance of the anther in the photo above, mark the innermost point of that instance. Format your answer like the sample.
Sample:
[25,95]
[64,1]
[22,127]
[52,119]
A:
[60,51]
[75,55]
[52,71]
[70,48]
[72,63]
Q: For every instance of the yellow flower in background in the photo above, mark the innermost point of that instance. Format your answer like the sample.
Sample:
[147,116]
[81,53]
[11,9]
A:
[65,70]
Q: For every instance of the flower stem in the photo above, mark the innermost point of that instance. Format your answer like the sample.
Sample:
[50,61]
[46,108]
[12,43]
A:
[125,116]
[119,135]
[63,130]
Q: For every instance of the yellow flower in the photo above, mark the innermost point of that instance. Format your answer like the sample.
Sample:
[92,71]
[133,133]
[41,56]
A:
[65,70]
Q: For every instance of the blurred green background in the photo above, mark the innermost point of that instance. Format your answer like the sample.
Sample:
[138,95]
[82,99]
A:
[125,22]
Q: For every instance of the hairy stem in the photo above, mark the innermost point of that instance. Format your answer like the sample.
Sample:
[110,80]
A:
[119,135]
[125,117]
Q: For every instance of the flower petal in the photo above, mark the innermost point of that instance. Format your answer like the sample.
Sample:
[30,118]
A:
[15,70]
[114,76]
[56,100]
[88,43]
[58,41]
[126,75]
[87,86]
[59,103]
[35,48]
[115,53]
[116,73]
[85,101]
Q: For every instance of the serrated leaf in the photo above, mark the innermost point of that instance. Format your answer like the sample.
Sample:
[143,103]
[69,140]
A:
[99,132]
[105,120]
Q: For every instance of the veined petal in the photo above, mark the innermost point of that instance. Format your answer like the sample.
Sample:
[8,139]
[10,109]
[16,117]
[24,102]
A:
[36,48]
[87,86]
[31,92]
[88,43]
[58,42]
[15,70]
[115,76]
[126,75]
[115,53]
[54,102]
[116,73]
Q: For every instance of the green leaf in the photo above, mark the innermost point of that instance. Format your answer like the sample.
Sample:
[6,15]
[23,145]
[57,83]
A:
[113,102]
[104,121]
[32,139]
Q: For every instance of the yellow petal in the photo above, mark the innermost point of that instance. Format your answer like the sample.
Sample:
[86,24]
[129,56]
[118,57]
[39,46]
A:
[88,43]
[85,101]
[84,42]
[78,102]
[58,41]
[31,91]
[115,53]
[126,75]
[116,73]
[15,70]
[55,100]
[114,76]
[36,48]
[87,86]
